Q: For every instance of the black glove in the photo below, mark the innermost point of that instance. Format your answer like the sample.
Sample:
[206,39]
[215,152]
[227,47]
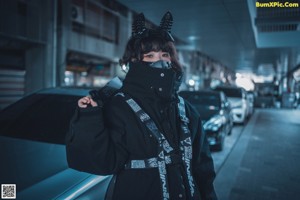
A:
[96,97]
[102,95]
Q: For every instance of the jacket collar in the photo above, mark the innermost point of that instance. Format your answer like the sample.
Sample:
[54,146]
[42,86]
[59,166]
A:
[150,82]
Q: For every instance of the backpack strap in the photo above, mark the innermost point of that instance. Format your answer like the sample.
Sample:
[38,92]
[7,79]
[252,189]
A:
[186,145]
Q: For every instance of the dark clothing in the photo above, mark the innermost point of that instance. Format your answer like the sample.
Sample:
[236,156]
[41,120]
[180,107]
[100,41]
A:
[103,140]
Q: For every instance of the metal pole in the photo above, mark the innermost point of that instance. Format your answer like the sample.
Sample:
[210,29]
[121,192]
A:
[54,45]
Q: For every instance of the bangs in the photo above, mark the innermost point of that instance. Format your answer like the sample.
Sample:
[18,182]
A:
[136,48]
[154,44]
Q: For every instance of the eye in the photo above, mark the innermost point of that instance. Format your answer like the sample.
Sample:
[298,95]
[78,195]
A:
[166,55]
[148,55]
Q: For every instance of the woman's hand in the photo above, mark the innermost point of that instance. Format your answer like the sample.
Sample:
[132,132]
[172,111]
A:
[85,101]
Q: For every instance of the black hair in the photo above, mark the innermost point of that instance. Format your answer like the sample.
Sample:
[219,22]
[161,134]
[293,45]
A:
[136,47]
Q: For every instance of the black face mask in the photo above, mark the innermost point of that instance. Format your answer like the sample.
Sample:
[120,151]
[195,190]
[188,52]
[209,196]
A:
[161,64]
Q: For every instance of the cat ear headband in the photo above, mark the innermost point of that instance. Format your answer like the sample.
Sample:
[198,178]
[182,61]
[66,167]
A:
[140,31]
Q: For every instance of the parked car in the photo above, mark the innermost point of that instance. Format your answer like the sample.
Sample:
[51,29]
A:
[264,101]
[32,150]
[266,95]
[289,100]
[251,99]
[215,112]
[237,97]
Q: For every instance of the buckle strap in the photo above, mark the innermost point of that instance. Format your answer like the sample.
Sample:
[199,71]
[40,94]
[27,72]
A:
[164,147]
[145,118]
[181,109]
[152,162]
[186,146]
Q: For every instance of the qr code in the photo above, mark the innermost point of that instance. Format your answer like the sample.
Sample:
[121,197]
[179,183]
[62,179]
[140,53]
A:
[8,191]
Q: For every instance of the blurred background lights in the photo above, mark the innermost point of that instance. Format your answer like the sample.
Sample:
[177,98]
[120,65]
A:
[124,68]
[244,82]
[238,75]
[191,82]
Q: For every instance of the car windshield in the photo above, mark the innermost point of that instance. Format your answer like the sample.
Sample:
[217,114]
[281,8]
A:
[231,92]
[202,99]
[39,117]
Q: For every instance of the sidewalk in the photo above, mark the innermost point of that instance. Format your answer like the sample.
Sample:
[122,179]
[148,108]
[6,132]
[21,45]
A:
[264,164]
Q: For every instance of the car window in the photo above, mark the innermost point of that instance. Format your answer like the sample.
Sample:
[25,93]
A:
[39,117]
[231,92]
[202,99]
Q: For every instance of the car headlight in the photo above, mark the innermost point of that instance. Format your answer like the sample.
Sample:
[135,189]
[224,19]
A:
[213,123]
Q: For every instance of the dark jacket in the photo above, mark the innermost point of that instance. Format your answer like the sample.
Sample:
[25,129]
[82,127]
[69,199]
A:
[102,140]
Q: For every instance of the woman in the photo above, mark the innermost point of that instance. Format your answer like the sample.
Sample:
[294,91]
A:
[145,135]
